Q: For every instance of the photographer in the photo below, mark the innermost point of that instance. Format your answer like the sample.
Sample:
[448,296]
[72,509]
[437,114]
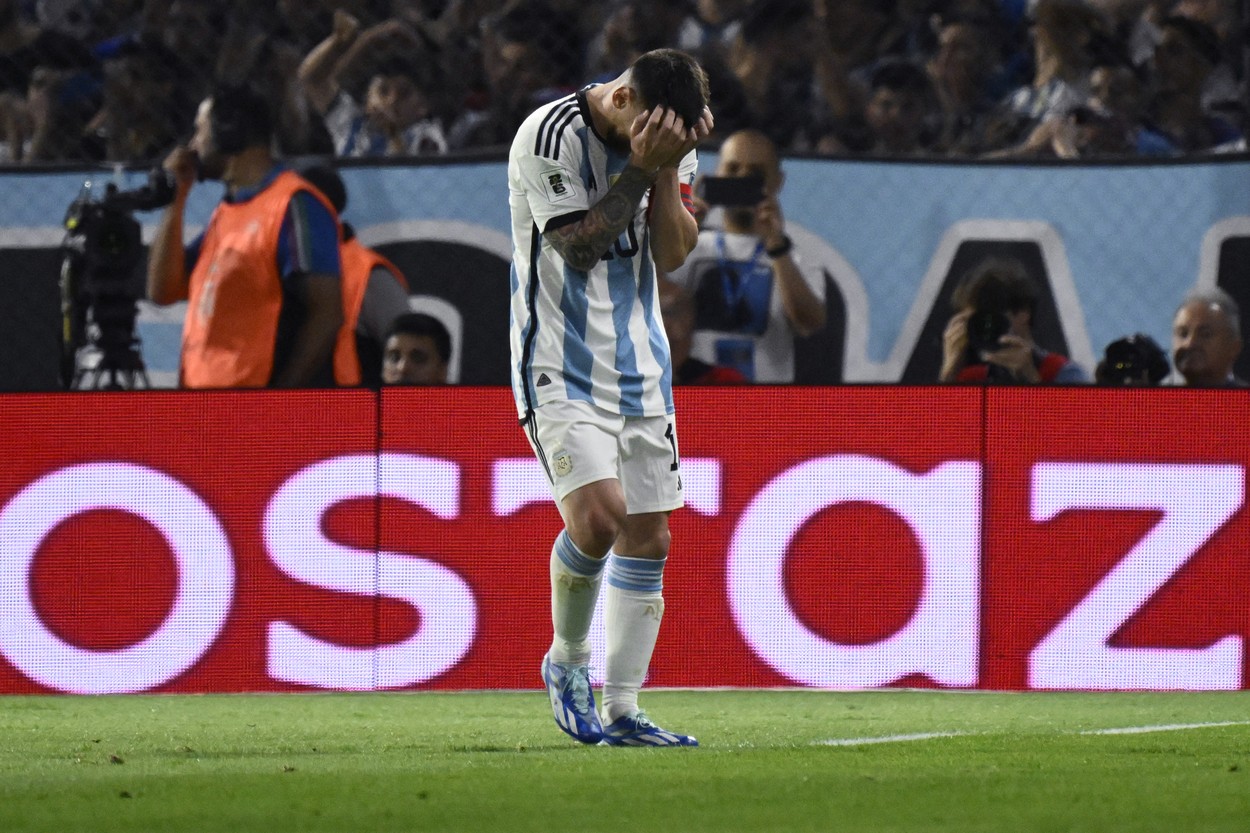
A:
[752,295]
[990,338]
[262,280]
[1135,361]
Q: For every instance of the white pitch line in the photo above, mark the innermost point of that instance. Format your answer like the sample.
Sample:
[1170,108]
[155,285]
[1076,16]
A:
[1166,727]
[1120,730]
[888,739]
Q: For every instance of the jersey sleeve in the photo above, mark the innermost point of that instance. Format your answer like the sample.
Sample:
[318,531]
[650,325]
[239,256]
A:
[686,172]
[546,166]
[309,242]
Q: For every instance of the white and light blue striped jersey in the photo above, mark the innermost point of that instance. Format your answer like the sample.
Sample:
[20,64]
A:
[594,336]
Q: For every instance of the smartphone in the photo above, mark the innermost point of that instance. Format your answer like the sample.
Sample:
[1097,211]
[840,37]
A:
[732,190]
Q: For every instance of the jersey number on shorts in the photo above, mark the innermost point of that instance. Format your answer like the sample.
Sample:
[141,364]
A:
[668,434]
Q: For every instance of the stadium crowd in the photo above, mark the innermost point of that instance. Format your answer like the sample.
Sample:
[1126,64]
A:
[85,81]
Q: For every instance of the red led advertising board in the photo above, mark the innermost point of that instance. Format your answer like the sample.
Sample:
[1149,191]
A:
[850,537]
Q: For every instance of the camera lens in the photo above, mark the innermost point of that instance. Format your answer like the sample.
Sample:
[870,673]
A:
[985,328]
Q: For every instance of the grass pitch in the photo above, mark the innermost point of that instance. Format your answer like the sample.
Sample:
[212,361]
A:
[770,760]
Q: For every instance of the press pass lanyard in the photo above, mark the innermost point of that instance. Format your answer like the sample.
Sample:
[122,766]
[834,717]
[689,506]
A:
[736,290]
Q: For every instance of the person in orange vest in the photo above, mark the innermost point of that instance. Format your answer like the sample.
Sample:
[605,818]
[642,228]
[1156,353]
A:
[375,293]
[262,280]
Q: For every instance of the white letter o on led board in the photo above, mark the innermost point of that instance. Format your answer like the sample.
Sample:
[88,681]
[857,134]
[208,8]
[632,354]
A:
[202,597]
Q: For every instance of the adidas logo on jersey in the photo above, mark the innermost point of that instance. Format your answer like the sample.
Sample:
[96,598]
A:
[543,379]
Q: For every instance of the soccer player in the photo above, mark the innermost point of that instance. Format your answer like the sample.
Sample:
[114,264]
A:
[600,192]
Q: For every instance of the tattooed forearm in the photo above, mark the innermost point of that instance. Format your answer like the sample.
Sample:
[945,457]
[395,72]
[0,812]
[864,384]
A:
[581,244]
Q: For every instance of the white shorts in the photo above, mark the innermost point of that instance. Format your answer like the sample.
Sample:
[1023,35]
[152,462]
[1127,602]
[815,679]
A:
[579,443]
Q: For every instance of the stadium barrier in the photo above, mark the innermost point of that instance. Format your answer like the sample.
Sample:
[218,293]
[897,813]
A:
[842,537]
[1113,247]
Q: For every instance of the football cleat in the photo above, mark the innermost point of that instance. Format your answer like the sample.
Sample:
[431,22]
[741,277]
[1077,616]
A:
[572,702]
[638,730]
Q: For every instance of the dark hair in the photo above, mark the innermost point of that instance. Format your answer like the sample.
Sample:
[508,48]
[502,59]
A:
[420,73]
[240,118]
[671,78]
[536,25]
[325,179]
[996,283]
[900,76]
[1201,37]
[764,19]
[148,52]
[421,324]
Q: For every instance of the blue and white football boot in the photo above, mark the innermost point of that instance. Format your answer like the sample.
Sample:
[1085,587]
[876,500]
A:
[572,702]
[637,730]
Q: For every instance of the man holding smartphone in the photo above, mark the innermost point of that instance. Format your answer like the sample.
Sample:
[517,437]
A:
[752,294]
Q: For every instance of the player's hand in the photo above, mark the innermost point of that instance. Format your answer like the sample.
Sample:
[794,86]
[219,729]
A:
[184,165]
[694,135]
[656,136]
[769,222]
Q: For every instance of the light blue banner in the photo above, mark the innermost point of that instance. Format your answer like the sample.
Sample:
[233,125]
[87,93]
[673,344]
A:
[1122,243]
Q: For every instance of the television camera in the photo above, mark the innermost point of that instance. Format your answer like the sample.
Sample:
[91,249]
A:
[100,287]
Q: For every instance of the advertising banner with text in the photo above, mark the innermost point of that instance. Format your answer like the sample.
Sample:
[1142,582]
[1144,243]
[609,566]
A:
[842,537]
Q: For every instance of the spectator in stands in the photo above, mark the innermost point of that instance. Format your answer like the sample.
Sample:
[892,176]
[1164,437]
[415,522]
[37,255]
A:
[303,23]
[299,129]
[375,292]
[262,281]
[1206,341]
[962,67]
[397,118]
[632,28]
[1067,35]
[860,32]
[49,86]
[454,29]
[770,63]
[709,27]
[1187,53]
[138,120]
[264,49]
[1133,361]
[418,351]
[1117,89]
[899,109]
[990,336]
[76,18]
[195,31]
[48,125]
[527,60]
[24,46]
[867,103]
[752,294]
[1111,124]
[678,310]
[1222,90]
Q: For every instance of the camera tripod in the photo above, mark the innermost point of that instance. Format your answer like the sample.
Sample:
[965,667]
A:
[108,368]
